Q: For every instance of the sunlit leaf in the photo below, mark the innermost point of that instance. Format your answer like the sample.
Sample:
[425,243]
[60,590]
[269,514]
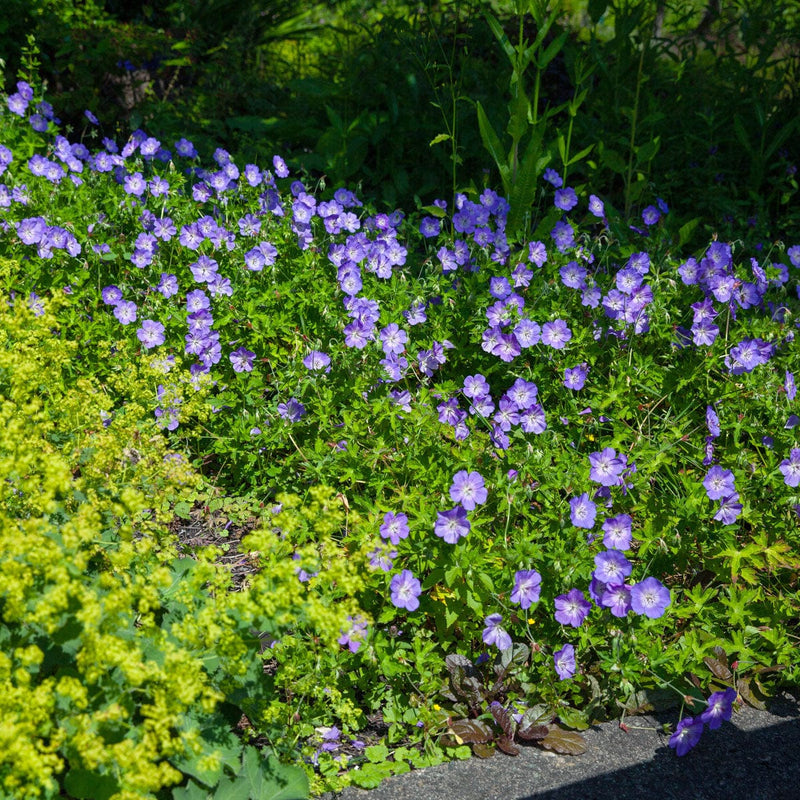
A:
[564,742]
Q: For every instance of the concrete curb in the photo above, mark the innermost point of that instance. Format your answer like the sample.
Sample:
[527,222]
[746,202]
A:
[756,756]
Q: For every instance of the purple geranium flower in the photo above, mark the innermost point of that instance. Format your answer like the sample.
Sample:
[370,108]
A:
[430,227]
[242,360]
[527,587]
[537,253]
[395,527]
[651,215]
[527,332]
[393,339]
[483,405]
[556,334]
[566,199]
[382,558]
[476,386]
[151,333]
[507,416]
[686,735]
[564,660]
[111,295]
[712,422]
[582,511]
[354,636]
[522,394]
[125,311]
[449,412]
[596,206]
[204,270]
[135,184]
[493,633]
[405,591]
[507,348]
[606,467]
[729,509]
[617,532]
[281,170]
[573,276]
[612,567]
[617,598]
[563,235]
[572,608]
[293,410]
[650,597]
[532,420]
[468,489]
[720,708]
[316,359]
[197,300]
[32,230]
[575,377]
[718,483]
[704,333]
[790,467]
[553,178]
[452,525]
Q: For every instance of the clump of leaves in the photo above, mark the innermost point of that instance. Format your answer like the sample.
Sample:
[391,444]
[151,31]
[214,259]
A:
[482,720]
[729,675]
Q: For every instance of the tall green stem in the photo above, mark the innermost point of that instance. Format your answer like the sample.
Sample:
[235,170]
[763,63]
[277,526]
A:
[632,143]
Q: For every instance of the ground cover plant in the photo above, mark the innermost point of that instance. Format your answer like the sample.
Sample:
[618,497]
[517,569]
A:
[500,484]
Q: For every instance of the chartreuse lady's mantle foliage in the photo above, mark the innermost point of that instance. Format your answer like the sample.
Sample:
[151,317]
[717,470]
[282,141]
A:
[122,663]
[563,468]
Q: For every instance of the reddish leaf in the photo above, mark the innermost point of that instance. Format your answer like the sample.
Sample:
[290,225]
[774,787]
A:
[503,719]
[719,668]
[565,742]
[483,750]
[720,654]
[507,746]
[533,732]
[455,661]
[449,741]
[471,731]
[746,693]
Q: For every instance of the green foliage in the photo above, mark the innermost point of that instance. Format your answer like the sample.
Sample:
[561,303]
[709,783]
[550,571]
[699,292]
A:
[145,665]
[122,663]
[709,102]
[614,91]
[480,701]
[533,142]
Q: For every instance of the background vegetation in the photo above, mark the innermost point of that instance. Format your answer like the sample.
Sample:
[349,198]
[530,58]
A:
[697,98]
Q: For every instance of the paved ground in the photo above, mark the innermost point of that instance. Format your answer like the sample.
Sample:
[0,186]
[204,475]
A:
[756,756]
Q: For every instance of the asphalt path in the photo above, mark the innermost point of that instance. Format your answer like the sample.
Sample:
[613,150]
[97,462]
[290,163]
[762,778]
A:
[755,756]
